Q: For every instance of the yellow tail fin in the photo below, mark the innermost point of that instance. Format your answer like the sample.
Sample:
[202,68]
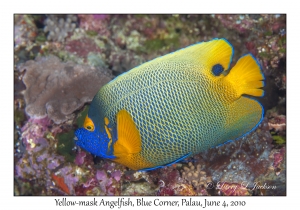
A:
[247,77]
[129,139]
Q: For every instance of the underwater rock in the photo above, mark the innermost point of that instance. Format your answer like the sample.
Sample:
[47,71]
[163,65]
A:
[82,47]
[279,158]
[137,189]
[274,182]
[25,30]
[38,161]
[241,160]
[278,124]
[57,89]
[39,164]
[95,23]
[170,183]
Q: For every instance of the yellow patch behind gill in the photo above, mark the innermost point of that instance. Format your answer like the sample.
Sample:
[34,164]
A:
[108,131]
[88,124]
[128,146]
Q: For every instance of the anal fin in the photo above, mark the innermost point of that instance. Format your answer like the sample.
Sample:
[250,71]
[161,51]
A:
[168,164]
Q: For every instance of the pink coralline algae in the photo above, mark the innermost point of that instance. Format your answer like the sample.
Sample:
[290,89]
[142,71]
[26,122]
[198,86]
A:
[57,89]
[279,157]
[97,23]
[35,129]
[39,161]
[79,160]
[168,178]
[105,181]
[82,47]
[171,183]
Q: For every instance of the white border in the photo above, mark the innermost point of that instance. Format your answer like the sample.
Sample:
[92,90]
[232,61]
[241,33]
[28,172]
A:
[8,8]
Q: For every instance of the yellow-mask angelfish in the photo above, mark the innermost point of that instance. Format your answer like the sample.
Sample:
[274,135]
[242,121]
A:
[174,106]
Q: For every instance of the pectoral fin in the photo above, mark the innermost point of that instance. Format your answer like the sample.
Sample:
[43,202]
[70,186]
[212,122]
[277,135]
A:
[128,146]
[129,139]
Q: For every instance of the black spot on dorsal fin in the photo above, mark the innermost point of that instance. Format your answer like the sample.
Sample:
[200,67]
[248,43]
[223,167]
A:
[217,69]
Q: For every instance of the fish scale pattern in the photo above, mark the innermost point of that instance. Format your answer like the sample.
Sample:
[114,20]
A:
[165,105]
[180,104]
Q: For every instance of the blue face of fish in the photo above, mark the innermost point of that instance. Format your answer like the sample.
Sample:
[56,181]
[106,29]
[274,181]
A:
[95,142]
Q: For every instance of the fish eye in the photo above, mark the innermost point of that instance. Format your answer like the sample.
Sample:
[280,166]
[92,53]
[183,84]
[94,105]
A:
[89,127]
[88,124]
[217,69]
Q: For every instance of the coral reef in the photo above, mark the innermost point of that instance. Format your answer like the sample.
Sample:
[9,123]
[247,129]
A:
[57,89]
[279,157]
[170,183]
[39,162]
[276,122]
[95,23]
[138,183]
[274,182]
[26,34]
[105,181]
[241,160]
[196,177]
[58,27]
[82,47]
[25,30]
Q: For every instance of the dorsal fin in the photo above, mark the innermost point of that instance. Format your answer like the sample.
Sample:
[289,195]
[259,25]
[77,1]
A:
[208,54]
[215,52]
